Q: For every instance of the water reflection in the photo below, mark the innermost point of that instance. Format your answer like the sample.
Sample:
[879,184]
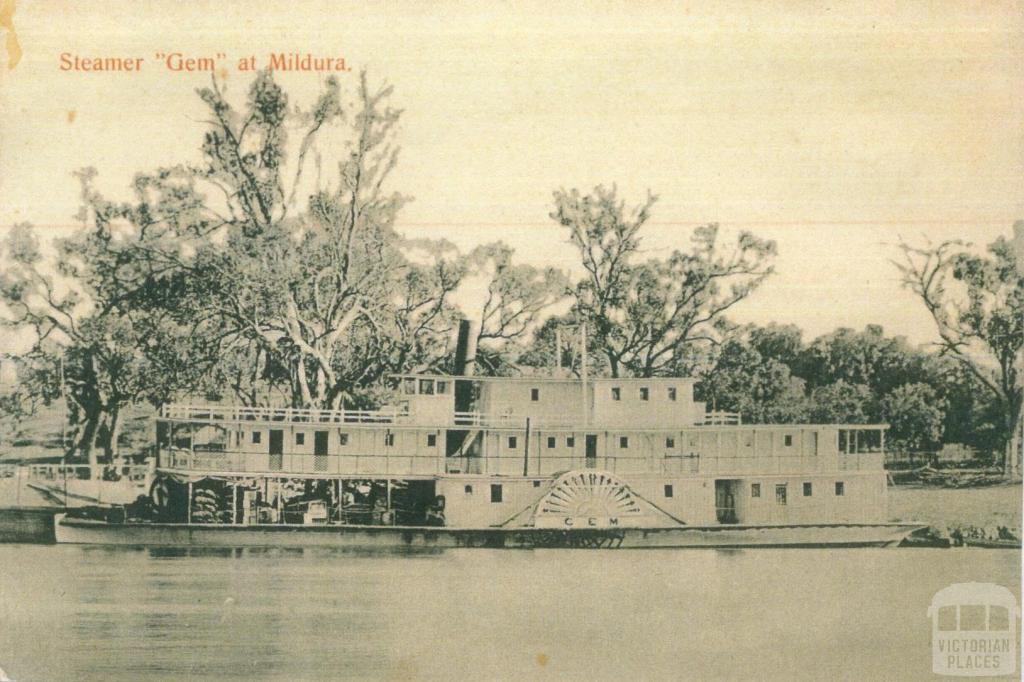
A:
[101,613]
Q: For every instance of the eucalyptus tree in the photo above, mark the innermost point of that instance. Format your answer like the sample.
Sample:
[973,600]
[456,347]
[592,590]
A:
[644,314]
[977,304]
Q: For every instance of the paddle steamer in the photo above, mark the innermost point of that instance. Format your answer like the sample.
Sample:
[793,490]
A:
[465,460]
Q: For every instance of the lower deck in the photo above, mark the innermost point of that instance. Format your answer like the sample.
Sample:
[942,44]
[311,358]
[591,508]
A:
[581,497]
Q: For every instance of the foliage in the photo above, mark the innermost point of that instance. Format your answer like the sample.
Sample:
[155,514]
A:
[977,304]
[915,414]
[643,315]
[759,386]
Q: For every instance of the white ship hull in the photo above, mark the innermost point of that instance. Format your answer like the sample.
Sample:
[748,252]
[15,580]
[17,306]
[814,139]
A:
[75,531]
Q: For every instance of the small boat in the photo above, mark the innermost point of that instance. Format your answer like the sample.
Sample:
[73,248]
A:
[992,544]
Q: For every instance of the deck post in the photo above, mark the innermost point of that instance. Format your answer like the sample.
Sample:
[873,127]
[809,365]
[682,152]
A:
[234,504]
[337,498]
[188,513]
[280,504]
[389,502]
[583,374]
[526,450]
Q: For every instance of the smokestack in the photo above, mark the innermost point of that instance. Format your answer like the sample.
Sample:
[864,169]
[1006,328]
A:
[465,349]
[465,364]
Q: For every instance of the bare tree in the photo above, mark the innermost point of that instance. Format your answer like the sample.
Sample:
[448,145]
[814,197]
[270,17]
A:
[517,295]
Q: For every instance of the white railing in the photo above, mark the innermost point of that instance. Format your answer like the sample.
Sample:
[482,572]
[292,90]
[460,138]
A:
[510,421]
[722,419]
[282,414]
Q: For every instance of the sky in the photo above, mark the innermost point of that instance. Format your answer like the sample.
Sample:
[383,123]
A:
[837,130]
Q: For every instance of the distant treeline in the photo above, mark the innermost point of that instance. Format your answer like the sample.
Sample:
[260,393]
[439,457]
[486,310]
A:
[272,272]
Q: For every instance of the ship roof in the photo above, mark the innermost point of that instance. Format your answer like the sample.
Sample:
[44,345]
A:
[536,379]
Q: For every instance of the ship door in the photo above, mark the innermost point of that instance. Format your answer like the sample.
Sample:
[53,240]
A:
[591,451]
[276,449]
[725,501]
[320,451]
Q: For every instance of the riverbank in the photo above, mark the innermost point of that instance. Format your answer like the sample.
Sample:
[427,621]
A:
[998,505]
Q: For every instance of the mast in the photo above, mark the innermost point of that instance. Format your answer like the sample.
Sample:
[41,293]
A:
[583,374]
[558,351]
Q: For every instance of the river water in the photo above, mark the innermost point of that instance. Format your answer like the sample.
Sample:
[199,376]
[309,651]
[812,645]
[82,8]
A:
[78,613]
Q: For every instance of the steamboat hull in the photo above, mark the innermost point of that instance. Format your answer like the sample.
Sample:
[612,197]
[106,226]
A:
[89,532]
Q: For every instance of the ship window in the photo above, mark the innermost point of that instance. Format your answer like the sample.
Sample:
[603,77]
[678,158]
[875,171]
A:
[512,442]
[869,440]
[668,490]
[551,441]
[343,439]
[536,484]
[645,393]
[495,492]
[755,490]
[300,439]
[534,394]
[426,387]
[409,386]
[670,442]
[442,387]
[780,494]
[389,439]
[431,440]
[257,436]
[787,440]
[672,393]
[624,442]
[807,488]
[468,490]
[616,393]
[856,441]
[570,442]
[840,488]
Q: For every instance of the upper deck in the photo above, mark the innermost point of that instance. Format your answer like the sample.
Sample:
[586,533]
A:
[521,427]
